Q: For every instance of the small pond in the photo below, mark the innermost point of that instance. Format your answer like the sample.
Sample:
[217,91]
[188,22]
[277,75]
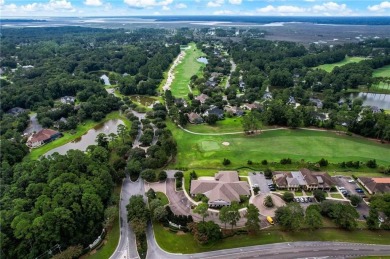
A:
[143,100]
[88,138]
[105,79]
[382,101]
[202,60]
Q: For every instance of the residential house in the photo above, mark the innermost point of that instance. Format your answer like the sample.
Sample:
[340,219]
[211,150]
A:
[234,110]
[16,111]
[318,103]
[57,123]
[303,179]
[291,100]
[375,184]
[214,110]
[194,118]
[251,106]
[202,98]
[42,137]
[267,96]
[225,188]
[68,99]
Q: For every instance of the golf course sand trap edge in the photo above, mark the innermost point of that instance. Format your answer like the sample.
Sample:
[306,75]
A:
[225,143]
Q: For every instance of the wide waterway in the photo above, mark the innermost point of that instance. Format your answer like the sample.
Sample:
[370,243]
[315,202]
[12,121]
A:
[88,138]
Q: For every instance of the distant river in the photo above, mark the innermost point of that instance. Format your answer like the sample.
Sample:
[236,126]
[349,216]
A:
[88,138]
[370,99]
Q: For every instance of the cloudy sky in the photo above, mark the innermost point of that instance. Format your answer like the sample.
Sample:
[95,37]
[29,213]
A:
[17,8]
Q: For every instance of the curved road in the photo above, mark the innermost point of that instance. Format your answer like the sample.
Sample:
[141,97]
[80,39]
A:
[277,251]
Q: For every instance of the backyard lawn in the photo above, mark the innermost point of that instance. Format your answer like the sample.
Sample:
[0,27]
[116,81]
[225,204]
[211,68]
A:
[188,67]
[185,243]
[198,151]
[347,60]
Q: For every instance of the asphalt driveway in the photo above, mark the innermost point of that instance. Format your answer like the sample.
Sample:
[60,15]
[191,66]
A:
[259,179]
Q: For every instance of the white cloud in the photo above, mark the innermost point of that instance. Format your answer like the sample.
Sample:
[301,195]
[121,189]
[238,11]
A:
[223,12]
[332,8]
[379,7]
[165,8]
[235,1]
[58,7]
[2,2]
[181,6]
[93,2]
[215,3]
[282,9]
[147,3]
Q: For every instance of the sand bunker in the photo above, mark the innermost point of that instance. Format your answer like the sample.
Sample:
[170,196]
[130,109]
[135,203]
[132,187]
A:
[225,143]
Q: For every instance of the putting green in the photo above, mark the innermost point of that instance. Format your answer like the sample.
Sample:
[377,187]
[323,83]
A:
[209,145]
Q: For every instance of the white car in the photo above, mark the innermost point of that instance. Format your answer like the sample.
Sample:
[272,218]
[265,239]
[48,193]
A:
[255,185]
[341,188]
[351,181]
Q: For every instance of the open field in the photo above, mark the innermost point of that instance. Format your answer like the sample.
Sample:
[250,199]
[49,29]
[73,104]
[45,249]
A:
[80,130]
[347,60]
[223,126]
[188,67]
[185,243]
[198,151]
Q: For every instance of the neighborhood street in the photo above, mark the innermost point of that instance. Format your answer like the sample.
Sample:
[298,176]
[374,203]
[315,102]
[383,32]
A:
[127,247]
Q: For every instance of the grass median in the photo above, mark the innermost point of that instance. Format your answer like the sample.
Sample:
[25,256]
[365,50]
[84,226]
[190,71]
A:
[185,243]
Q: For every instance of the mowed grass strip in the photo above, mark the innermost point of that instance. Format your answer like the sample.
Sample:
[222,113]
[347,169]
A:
[188,67]
[185,243]
[273,146]
[329,67]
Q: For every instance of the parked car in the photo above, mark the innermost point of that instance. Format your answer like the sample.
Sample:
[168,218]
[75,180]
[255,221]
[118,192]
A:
[255,185]
[341,188]
[272,189]
[309,199]
[351,181]
[302,200]
[297,200]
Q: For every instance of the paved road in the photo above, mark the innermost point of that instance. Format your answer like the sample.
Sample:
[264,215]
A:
[127,247]
[277,251]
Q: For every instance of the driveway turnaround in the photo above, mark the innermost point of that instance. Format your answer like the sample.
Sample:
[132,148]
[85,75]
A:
[258,201]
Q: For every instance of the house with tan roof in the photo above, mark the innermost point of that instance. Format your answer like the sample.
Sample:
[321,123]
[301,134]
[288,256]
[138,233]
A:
[225,188]
[302,179]
[202,98]
[375,184]
[42,137]
[194,118]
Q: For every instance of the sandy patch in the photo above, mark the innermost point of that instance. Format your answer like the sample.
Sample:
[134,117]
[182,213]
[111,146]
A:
[171,75]
[225,143]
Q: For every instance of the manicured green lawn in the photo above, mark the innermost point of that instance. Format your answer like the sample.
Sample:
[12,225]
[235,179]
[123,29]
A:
[188,67]
[227,125]
[198,151]
[382,72]
[162,197]
[81,130]
[336,195]
[112,238]
[185,243]
[347,60]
